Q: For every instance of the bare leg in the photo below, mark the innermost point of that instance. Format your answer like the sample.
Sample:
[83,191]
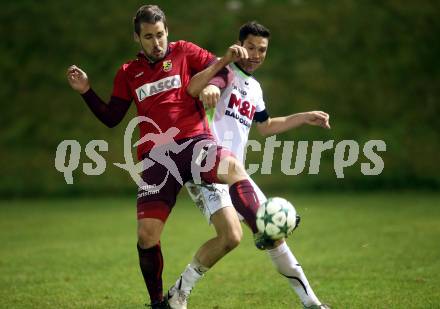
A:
[229,233]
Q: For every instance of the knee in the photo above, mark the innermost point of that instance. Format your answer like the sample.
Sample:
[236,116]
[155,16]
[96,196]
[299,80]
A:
[231,240]
[236,168]
[231,170]
[147,238]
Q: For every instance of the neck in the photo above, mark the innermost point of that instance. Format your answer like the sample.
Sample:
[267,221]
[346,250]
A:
[150,60]
[241,69]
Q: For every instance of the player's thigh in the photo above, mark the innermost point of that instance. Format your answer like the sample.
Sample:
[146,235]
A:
[156,197]
[230,170]
[155,200]
[226,168]
[209,198]
[214,202]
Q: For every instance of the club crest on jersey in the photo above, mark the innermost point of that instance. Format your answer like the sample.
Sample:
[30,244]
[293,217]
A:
[167,65]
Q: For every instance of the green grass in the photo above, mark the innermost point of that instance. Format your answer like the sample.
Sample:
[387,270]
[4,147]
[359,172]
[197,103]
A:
[358,250]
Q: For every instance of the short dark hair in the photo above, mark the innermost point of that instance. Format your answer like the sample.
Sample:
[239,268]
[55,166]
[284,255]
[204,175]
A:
[150,14]
[253,28]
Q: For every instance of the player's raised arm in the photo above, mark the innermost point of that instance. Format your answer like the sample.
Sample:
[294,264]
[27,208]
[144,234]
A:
[200,80]
[282,124]
[110,114]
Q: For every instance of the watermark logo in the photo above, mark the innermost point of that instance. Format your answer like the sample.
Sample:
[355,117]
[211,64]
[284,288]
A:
[346,154]
[204,152]
[164,144]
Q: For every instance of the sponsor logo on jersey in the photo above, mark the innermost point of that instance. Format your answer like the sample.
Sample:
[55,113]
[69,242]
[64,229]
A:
[241,91]
[244,108]
[162,85]
[241,110]
[167,65]
[139,74]
[242,120]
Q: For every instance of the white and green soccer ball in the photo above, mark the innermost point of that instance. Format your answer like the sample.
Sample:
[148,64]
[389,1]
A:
[276,218]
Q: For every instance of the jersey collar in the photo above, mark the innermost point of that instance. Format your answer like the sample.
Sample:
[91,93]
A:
[240,70]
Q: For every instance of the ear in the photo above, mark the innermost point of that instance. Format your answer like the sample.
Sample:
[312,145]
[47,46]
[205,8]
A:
[136,37]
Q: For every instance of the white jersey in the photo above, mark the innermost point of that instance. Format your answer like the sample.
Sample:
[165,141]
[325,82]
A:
[235,110]
[240,103]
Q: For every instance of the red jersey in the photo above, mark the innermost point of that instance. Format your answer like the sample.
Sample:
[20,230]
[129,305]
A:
[159,91]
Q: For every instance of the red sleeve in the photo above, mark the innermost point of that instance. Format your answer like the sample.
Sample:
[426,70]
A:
[110,114]
[121,88]
[198,58]
[223,78]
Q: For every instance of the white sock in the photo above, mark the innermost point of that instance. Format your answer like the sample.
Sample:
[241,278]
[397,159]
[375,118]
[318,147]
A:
[192,273]
[287,265]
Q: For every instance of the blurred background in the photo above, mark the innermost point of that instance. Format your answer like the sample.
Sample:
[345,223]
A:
[372,65]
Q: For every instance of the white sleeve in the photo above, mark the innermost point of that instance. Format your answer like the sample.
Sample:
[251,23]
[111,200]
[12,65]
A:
[260,105]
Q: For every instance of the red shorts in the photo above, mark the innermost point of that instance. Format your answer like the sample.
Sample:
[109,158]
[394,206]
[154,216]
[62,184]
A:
[196,159]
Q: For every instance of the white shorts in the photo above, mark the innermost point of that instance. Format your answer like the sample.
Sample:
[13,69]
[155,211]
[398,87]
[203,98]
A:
[210,198]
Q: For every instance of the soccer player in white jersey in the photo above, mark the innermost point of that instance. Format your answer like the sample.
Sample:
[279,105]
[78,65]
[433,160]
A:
[238,105]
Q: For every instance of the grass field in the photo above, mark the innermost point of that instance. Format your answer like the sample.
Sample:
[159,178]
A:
[358,250]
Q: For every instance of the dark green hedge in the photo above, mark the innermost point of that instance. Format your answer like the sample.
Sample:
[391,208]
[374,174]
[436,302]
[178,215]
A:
[373,65]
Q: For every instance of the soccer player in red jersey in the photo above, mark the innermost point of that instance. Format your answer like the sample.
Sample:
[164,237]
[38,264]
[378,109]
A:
[157,81]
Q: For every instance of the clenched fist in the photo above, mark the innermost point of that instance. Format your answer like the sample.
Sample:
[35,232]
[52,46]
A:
[317,118]
[210,96]
[77,79]
[235,52]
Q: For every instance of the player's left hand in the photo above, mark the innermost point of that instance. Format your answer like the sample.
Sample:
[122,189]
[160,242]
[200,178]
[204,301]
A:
[317,118]
[210,96]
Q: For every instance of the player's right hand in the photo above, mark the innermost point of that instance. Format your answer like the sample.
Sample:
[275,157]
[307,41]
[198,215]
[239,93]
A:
[210,96]
[235,53]
[77,79]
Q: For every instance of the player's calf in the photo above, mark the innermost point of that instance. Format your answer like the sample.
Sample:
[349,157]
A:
[151,259]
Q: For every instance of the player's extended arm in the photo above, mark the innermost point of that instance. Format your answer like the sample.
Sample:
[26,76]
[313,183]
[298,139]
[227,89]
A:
[282,124]
[201,79]
[110,114]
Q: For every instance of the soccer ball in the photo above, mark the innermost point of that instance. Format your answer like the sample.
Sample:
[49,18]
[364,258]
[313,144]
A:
[276,218]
